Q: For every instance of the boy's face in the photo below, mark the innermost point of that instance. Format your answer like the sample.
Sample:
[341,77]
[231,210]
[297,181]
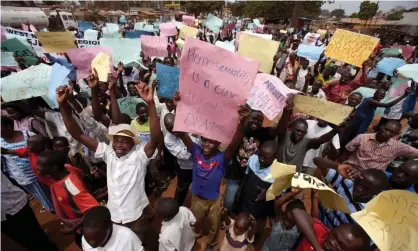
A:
[266,157]
[35,145]
[132,90]
[353,100]
[209,146]
[255,121]
[122,145]
[142,113]
[241,225]
[61,146]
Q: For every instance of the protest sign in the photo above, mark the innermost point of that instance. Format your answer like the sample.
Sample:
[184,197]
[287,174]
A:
[259,29]
[124,50]
[168,29]
[225,45]
[310,52]
[139,26]
[154,46]
[180,43]
[388,65]
[251,26]
[56,41]
[328,197]
[101,64]
[213,23]
[213,82]
[16,32]
[137,33]
[187,31]
[322,109]
[409,71]
[20,50]
[310,38]
[391,220]
[7,59]
[110,31]
[398,91]
[265,36]
[269,95]
[91,34]
[128,104]
[188,20]
[149,27]
[321,33]
[350,47]
[168,80]
[84,43]
[259,49]
[31,82]
[82,58]
[256,21]
[58,77]
[406,50]
[391,52]
[282,175]
[84,25]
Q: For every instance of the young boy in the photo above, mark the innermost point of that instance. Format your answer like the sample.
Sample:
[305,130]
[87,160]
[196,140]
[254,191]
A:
[100,233]
[127,162]
[239,232]
[208,170]
[177,227]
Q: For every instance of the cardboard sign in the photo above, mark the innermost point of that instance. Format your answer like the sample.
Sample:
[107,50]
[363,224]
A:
[409,71]
[213,82]
[310,52]
[310,38]
[350,47]
[124,50]
[213,23]
[329,198]
[154,46]
[259,49]
[282,175]
[321,33]
[128,104]
[111,31]
[101,64]
[56,41]
[225,45]
[91,34]
[168,80]
[58,77]
[188,31]
[82,58]
[85,43]
[31,82]
[139,26]
[406,50]
[322,109]
[20,50]
[391,220]
[168,29]
[84,25]
[188,20]
[388,65]
[269,95]
[7,59]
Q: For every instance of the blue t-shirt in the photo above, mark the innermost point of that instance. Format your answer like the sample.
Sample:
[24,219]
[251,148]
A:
[411,188]
[207,174]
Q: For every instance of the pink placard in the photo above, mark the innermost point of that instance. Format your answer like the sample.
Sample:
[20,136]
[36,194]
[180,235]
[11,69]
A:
[81,58]
[260,29]
[154,46]
[188,20]
[398,90]
[406,50]
[168,29]
[269,95]
[213,82]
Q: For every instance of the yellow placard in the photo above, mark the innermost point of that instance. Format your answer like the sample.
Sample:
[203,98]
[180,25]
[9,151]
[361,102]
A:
[260,49]
[56,42]
[391,220]
[187,31]
[350,47]
[328,197]
[321,33]
[101,64]
[180,43]
[282,175]
[322,109]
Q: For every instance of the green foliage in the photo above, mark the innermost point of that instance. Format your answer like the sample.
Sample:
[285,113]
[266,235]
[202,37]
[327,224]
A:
[338,13]
[281,9]
[237,9]
[203,7]
[367,10]
[397,15]
[325,13]
[354,15]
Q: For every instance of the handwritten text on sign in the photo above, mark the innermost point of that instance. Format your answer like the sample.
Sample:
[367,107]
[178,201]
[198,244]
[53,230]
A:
[322,109]
[168,80]
[350,47]
[269,95]
[128,104]
[391,220]
[213,82]
[154,46]
[56,41]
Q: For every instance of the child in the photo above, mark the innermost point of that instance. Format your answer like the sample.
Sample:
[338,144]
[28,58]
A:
[177,226]
[239,232]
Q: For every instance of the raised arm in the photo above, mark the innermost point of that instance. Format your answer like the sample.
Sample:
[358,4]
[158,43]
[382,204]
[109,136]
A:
[281,128]
[72,126]
[304,225]
[122,88]
[316,142]
[93,81]
[147,94]
[391,103]
[114,107]
[244,112]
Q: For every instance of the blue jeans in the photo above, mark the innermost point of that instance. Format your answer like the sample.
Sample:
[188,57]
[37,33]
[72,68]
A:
[231,189]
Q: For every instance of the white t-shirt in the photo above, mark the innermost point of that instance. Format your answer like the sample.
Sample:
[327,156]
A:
[133,77]
[320,94]
[314,131]
[122,239]
[301,78]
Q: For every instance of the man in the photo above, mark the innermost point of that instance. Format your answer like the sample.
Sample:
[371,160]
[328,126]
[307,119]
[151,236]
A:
[126,166]
[338,92]
[100,233]
[18,220]
[375,150]
[404,177]
[355,192]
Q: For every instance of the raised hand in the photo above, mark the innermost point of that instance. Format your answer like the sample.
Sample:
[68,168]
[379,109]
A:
[93,79]
[244,112]
[111,80]
[120,67]
[289,103]
[63,92]
[176,98]
[145,92]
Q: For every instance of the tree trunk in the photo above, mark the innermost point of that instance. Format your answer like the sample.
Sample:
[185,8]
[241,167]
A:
[297,9]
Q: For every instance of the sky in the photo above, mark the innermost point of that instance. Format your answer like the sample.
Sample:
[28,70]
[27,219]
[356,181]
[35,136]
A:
[354,6]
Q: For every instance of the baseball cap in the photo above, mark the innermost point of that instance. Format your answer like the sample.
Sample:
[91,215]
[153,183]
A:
[124,130]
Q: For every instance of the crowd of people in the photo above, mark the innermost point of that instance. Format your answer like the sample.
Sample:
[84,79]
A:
[95,167]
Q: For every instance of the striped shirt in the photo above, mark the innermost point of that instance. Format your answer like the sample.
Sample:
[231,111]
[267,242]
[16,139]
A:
[344,187]
[368,153]
[13,199]
[18,168]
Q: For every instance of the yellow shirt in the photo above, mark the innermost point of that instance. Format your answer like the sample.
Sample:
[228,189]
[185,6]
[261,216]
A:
[324,82]
[142,130]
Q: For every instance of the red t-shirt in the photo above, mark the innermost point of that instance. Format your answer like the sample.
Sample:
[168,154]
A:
[70,196]
[23,153]
[321,233]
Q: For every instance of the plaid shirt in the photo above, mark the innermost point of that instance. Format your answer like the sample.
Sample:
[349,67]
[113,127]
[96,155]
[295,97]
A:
[368,153]
[339,93]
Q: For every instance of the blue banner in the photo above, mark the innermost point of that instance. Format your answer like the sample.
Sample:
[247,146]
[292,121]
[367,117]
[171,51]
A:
[168,80]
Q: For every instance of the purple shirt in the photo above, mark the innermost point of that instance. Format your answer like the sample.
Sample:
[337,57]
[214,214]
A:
[207,174]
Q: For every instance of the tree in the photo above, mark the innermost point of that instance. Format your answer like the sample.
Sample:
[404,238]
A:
[354,15]
[338,13]
[325,13]
[237,9]
[282,9]
[396,13]
[203,7]
[367,10]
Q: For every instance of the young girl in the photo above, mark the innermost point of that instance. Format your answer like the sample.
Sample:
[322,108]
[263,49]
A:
[239,232]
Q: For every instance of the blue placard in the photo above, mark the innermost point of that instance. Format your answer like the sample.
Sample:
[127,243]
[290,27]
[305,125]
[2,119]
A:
[84,25]
[388,65]
[310,51]
[137,33]
[168,80]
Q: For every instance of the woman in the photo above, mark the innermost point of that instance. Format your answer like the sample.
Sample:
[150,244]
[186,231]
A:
[23,121]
